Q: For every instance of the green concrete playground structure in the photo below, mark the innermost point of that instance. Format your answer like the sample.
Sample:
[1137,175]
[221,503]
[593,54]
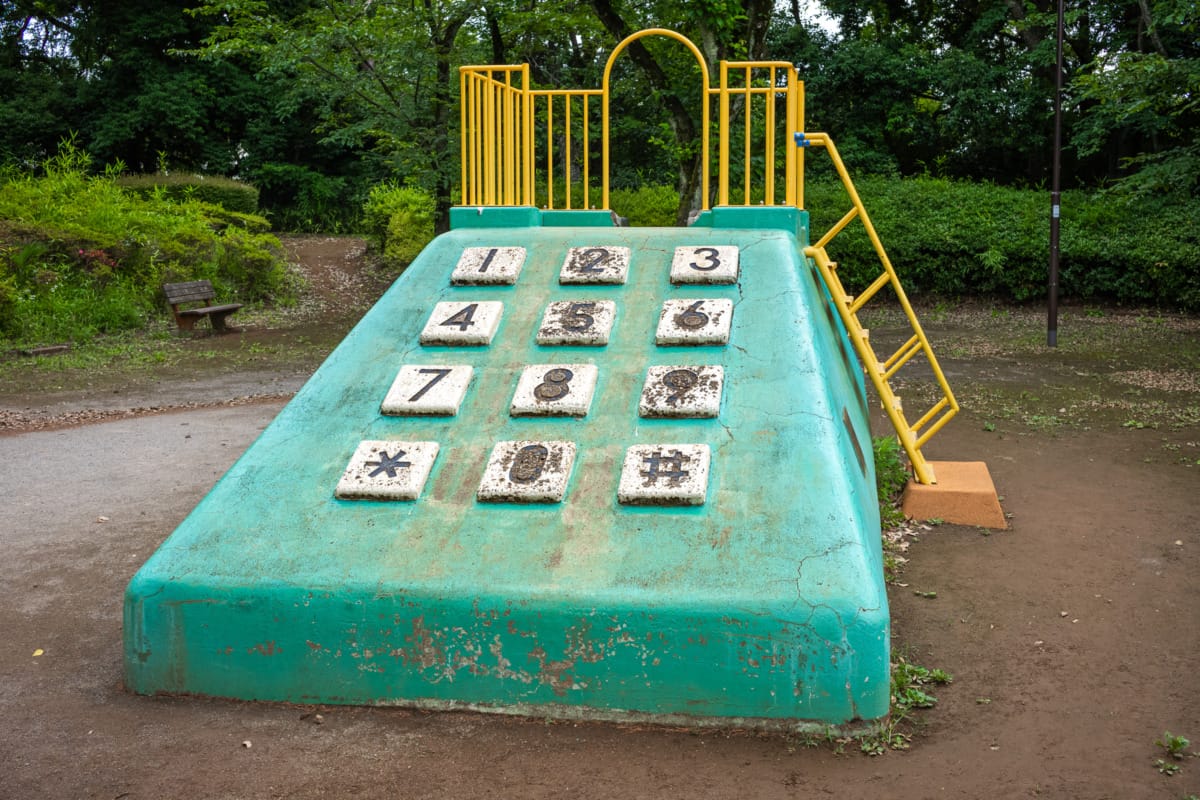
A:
[561,468]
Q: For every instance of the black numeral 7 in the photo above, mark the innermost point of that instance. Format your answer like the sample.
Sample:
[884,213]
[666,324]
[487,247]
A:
[437,374]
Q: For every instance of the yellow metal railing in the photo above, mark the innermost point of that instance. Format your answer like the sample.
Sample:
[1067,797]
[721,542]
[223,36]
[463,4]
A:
[912,436]
[519,144]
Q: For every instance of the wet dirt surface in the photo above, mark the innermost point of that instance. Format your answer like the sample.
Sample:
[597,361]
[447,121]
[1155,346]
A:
[1073,637]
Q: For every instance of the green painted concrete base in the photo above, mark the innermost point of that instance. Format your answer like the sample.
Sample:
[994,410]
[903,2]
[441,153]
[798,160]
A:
[763,606]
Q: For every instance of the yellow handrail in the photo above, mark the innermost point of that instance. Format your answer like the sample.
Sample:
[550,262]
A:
[500,140]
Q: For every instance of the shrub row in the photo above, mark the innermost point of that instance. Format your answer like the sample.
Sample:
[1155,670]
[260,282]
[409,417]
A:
[957,238]
[219,191]
[79,255]
[950,238]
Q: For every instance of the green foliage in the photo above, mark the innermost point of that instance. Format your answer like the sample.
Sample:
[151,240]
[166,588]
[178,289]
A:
[647,206]
[219,191]
[400,221]
[305,199]
[891,476]
[80,256]
[957,238]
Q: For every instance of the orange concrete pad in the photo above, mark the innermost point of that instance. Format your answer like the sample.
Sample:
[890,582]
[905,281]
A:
[964,495]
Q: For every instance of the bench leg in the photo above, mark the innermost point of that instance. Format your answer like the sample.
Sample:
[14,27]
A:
[218,321]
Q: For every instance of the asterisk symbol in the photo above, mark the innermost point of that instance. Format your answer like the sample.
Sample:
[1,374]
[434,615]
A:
[388,464]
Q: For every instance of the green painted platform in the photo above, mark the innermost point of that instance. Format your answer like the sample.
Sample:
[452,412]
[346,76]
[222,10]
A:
[764,605]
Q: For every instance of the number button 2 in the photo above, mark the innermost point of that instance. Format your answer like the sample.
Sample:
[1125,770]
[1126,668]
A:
[712,265]
[606,265]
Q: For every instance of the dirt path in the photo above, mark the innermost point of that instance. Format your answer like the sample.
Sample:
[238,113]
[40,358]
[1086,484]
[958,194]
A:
[1072,638]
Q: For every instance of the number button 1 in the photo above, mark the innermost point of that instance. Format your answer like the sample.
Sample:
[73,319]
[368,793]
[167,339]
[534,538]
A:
[705,264]
[581,323]
[488,265]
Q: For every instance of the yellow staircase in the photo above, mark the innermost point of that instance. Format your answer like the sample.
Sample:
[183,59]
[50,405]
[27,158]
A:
[520,143]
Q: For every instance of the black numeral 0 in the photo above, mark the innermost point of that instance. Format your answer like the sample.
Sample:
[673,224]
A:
[528,463]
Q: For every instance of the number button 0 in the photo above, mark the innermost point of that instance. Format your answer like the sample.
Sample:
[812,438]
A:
[705,265]
[527,472]
[608,265]
[581,323]
[559,390]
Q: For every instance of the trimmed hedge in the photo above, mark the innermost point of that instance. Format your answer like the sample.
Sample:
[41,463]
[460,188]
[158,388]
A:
[227,193]
[959,238]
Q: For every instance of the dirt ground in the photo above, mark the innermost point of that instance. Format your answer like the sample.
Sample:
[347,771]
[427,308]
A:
[1073,637]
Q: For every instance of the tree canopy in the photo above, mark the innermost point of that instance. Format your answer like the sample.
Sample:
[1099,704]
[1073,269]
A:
[315,100]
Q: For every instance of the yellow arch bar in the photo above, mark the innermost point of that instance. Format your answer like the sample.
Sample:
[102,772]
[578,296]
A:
[607,96]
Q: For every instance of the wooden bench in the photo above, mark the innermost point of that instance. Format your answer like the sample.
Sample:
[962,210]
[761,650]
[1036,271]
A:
[181,294]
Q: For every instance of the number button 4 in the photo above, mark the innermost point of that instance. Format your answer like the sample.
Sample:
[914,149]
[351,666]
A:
[706,265]
[568,322]
[463,323]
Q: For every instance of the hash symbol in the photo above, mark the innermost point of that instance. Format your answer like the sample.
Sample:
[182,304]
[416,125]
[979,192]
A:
[388,464]
[655,462]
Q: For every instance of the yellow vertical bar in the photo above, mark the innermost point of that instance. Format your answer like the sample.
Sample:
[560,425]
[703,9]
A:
[605,98]
[723,165]
[800,127]
[567,146]
[769,191]
[549,151]
[527,105]
[462,132]
[789,144]
[587,157]
[749,107]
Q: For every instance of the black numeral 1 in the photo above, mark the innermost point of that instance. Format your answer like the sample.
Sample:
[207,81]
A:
[487,261]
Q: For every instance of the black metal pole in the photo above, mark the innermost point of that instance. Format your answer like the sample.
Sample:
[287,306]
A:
[1056,192]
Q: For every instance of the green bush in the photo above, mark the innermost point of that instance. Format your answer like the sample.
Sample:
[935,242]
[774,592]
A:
[647,206]
[399,220]
[79,255]
[227,193]
[958,238]
[302,199]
